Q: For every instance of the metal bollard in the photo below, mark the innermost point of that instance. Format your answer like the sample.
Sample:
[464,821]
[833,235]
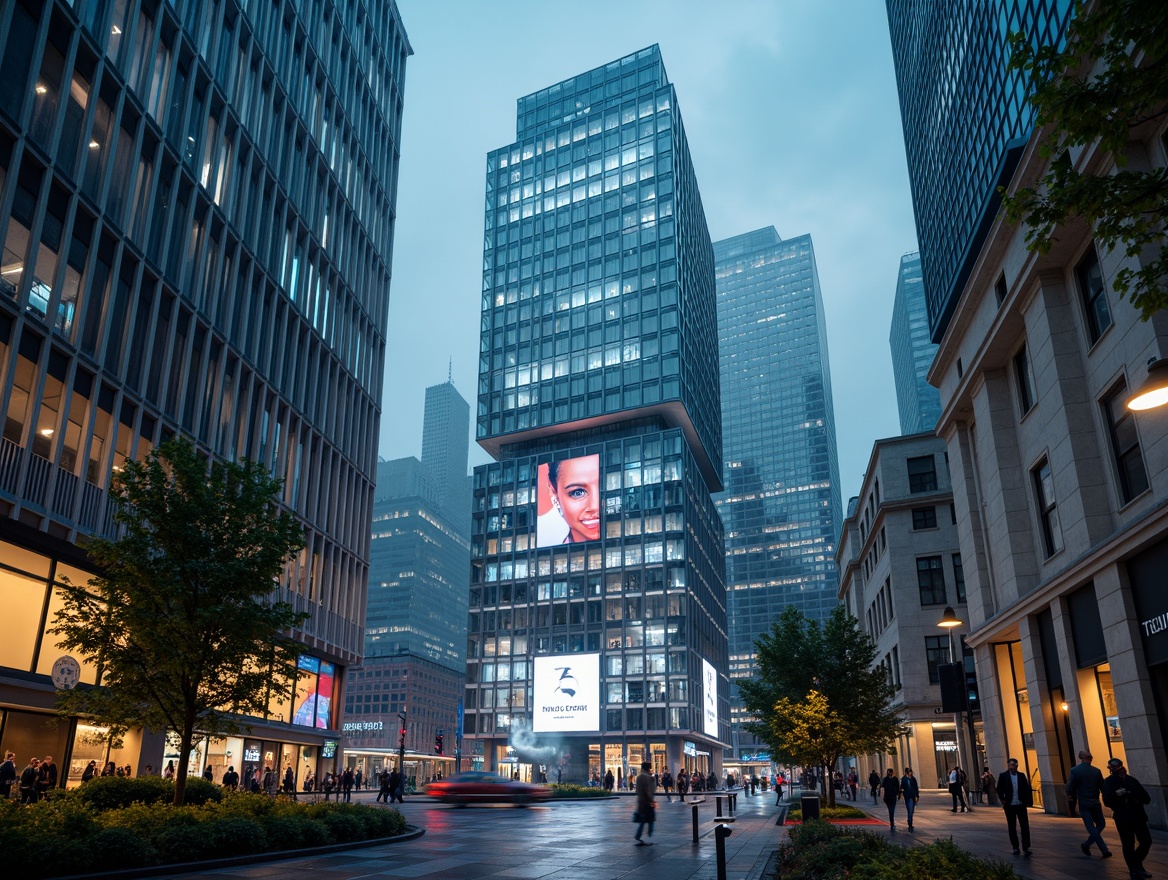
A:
[717,806]
[695,821]
[733,803]
[721,832]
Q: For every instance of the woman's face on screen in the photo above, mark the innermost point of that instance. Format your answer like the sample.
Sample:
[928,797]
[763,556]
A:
[578,495]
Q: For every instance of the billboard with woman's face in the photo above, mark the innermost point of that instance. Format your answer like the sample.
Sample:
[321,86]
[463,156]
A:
[569,501]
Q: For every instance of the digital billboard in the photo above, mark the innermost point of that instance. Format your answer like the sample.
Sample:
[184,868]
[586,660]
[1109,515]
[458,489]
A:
[709,700]
[568,501]
[566,694]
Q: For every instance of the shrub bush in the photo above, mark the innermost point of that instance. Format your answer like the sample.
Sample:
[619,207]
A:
[68,835]
[568,790]
[819,851]
[112,792]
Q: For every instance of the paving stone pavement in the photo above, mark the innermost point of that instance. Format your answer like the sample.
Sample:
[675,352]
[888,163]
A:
[1054,840]
[564,840]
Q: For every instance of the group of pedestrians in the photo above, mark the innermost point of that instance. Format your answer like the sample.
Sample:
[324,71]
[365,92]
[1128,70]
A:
[895,789]
[1087,789]
[33,783]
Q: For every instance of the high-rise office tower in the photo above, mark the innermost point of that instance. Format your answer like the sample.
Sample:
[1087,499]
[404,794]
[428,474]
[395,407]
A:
[445,438]
[781,506]
[597,607]
[197,212]
[966,119]
[918,402]
[415,620]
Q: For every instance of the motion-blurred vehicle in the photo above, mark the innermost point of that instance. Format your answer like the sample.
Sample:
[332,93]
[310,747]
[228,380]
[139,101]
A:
[482,788]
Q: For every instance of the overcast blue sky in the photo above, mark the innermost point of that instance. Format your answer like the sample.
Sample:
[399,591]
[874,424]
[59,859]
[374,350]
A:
[791,113]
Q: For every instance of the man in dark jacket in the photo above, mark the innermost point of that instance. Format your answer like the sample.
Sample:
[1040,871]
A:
[382,786]
[1084,785]
[28,781]
[910,790]
[1126,797]
[46,776]
[231,779]
[1016,797]
[347,784]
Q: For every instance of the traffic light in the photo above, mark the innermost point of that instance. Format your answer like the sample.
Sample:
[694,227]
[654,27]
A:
[953,696]
[402,734]
[438,743]
[973,700]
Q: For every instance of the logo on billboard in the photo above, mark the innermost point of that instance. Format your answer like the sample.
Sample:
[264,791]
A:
[566,694]
[567,683]
[710,694]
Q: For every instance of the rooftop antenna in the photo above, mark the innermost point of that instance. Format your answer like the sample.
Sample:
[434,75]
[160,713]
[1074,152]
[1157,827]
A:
[450,370]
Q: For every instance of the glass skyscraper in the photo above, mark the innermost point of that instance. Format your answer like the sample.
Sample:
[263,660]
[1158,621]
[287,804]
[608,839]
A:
[197,203]
[597,607]
[918,402]
[415,620]
[965,119]
[781,505]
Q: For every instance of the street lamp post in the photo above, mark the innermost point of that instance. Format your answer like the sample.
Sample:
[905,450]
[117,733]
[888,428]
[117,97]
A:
[1154,391]
[950,621]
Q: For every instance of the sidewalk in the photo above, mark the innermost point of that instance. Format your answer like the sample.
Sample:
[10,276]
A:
[1054,840]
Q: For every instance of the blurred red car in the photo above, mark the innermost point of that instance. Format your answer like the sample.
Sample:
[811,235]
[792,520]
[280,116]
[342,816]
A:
[483,788]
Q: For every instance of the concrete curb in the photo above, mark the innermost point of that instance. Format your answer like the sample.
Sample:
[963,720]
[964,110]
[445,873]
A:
[411,833]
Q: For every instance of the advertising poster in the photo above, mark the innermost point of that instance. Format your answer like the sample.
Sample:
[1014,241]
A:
[324,695]
[568,496]
[308,670]
[709,700]
[566,694]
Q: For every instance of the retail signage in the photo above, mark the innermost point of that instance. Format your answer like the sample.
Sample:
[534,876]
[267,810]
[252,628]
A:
[251,754]
[566,693]
[568,501]
[689,748]
[329,749]
[1146,574]
[710,700]
[364,725]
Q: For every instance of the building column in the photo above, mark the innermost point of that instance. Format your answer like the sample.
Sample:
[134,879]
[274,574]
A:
[1042,717]
[989,694]
[1142,740]
[1065,640]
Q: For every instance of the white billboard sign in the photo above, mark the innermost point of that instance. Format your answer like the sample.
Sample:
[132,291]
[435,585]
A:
[566,694]
[709,700]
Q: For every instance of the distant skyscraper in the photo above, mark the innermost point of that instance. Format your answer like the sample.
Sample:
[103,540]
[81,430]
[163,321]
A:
[197,209]
[598,621]
[781,508]
[415,619]
[919,402]
[445,439]
[965,120]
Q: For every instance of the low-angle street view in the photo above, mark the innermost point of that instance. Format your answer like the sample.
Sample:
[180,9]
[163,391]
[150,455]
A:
[530,439]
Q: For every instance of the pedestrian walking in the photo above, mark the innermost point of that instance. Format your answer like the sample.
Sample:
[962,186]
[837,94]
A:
[168,773]
[609,781]
[28,781]
[988,786]
[46,776]
[382,787]
[873,783]
[89,772]
[231,779]
[1084,789]
[347,784]
[957,788]
[1126,797]
[358,779]
[646,813]
[910,791]
[330,784]
[271,782]
[667,784]
[8,775]
[209,773]
[853,784]
[682,784]
[290,782]
[1016,798]
[890,790]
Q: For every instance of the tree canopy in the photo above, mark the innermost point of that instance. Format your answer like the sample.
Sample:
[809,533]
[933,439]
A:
[181,622]
[1107,84]
[820,681]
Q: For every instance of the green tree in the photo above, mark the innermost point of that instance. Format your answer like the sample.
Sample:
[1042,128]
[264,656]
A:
[837,661]
[1107,85]
[810,731]
[181,623]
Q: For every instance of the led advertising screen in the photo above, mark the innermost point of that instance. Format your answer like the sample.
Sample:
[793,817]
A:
[566,694]
[568,495]
[709,700]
